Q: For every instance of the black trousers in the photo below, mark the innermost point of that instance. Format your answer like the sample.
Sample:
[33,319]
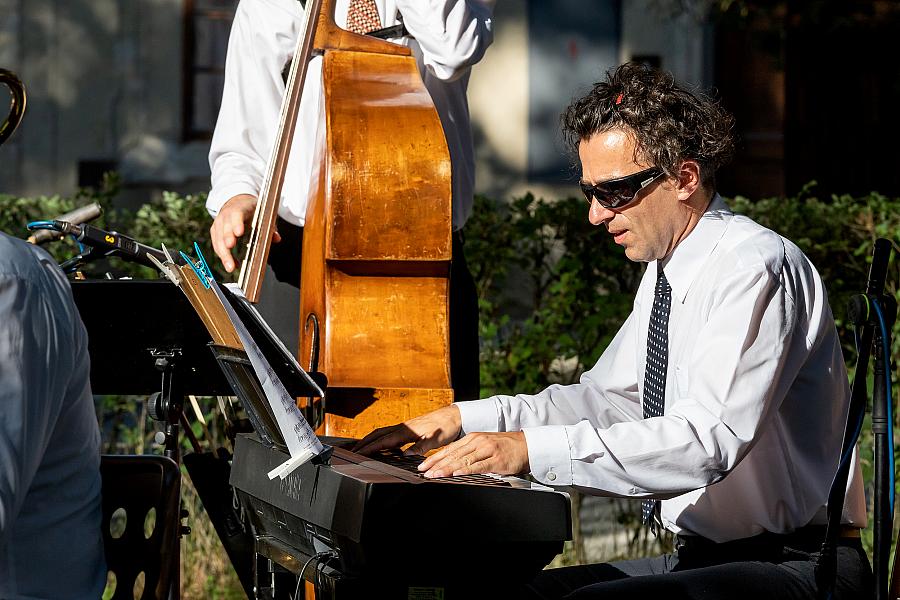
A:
[284,258]
[765,567]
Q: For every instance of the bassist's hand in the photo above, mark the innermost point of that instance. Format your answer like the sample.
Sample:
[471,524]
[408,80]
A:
[231,223]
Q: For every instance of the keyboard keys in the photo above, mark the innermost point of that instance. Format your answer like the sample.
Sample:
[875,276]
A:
[396,458]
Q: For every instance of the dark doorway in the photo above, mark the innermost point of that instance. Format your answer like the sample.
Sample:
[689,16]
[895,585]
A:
[843,97]
[750,81]
[815,88]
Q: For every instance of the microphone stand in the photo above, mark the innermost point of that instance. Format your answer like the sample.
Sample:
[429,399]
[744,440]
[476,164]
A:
[97,243]
[882,428]
[79,260]
[873,314]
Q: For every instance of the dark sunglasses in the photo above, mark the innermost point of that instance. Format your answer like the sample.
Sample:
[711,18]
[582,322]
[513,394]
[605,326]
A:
[616,193]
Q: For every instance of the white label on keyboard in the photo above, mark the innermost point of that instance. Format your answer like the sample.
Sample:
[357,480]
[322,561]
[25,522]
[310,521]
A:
[290,486]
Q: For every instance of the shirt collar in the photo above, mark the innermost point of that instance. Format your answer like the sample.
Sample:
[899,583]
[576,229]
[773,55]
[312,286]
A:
[685,261]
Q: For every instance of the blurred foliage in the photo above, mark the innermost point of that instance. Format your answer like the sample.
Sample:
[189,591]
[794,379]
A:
[174,220]
[552,291]
[177,221]
[18,212]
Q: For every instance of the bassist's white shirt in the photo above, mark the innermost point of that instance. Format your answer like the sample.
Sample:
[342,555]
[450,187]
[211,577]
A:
[449,37]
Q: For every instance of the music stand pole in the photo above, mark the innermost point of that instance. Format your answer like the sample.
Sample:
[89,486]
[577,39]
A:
[168,408]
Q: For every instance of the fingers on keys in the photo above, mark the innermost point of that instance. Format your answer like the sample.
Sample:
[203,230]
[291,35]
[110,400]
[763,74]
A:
[463,457]
[383,438]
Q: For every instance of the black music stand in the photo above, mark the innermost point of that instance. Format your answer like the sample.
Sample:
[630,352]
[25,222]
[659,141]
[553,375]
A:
[146,339]
[131,321]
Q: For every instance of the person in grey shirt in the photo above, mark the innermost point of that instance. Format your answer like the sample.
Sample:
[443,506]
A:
[50,515]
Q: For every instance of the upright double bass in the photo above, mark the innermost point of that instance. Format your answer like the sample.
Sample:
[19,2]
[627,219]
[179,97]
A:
[377,239]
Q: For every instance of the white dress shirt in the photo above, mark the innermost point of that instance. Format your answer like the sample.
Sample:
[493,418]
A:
[50,538]
[756,395]
[449,37]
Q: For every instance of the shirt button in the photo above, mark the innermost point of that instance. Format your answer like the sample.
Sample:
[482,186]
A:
[551,476]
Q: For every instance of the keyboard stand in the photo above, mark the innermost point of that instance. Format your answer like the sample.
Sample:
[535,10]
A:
[278,567]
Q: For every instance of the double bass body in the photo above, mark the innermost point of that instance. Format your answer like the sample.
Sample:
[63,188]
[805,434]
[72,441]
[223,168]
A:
[377,240]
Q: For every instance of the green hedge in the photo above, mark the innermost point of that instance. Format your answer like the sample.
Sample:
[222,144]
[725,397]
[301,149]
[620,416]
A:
[174,220]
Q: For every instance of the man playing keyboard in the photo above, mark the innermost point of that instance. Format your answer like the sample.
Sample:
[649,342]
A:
[720,403]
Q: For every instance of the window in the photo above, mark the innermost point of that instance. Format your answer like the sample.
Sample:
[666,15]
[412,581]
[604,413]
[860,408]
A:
[207,25]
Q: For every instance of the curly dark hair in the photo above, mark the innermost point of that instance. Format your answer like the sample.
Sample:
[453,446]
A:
[669,123]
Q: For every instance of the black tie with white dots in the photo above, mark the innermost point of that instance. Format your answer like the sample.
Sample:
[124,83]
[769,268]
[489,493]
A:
[657,364]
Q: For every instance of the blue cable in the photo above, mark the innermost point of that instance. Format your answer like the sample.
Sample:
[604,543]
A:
[850,447]
[42,225]
[54,226]
[859,422]
[887,375]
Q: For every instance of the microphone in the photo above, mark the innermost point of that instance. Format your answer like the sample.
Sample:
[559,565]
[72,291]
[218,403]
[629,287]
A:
[80,215]
[113,243]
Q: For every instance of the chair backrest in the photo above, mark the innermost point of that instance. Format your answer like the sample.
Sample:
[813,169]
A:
[141,522]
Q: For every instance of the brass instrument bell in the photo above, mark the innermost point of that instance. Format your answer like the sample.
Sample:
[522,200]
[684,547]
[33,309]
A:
[16,105]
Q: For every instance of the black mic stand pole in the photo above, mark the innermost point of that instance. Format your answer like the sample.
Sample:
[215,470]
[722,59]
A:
[861,315]
[881,424]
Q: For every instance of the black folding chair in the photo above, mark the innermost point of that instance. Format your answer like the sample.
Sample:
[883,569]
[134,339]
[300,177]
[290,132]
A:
[141,523]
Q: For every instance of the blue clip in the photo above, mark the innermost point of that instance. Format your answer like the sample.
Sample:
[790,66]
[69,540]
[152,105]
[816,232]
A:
[197,270]
[203,262]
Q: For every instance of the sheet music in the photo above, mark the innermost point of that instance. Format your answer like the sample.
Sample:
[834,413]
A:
[258,320]
[299,437]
